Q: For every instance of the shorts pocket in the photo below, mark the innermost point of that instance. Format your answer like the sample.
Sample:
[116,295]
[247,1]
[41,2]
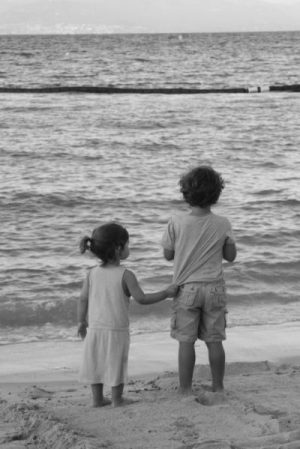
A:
[217,297]
[188,295]
[225,319]
[173,322]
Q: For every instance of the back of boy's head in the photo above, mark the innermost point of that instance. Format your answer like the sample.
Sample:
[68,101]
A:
[105,240]
[201,186]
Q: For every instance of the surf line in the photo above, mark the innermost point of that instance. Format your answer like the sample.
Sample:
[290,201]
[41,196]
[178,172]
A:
[145,90]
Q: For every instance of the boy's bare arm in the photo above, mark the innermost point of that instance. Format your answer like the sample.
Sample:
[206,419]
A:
[169,254]
[229,249]
[132,285]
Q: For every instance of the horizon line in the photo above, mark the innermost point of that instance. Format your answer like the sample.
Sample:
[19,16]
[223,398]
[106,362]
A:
[108,33]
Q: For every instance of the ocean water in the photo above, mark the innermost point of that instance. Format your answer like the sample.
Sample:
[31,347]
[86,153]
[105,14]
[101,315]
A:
[71,161]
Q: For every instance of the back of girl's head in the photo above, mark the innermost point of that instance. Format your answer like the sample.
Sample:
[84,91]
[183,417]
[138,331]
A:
[202,186]
[105,240]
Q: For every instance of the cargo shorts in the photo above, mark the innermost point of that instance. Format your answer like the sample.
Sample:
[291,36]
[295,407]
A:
[199,311]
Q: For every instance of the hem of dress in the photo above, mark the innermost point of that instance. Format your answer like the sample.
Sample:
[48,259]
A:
[98,381]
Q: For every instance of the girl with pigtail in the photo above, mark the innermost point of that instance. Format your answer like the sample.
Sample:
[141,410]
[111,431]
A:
[103,312]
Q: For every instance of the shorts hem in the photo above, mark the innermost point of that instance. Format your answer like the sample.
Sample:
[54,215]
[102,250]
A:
[212,340]
[184,339]
[193,340]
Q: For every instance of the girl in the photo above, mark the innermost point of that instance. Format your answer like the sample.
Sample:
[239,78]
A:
[103,312]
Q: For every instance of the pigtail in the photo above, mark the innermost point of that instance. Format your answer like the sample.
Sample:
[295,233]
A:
[85,244]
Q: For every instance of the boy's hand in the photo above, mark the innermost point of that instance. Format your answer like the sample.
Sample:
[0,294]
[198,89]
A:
[172,290]
[81,331]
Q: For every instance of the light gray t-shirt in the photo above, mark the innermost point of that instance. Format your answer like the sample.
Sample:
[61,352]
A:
[198,244]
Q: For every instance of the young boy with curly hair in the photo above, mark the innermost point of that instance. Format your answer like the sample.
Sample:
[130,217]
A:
[197,242]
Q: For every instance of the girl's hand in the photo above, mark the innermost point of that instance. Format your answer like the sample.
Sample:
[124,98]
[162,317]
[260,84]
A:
[172,290]
[229,241]
[81,331]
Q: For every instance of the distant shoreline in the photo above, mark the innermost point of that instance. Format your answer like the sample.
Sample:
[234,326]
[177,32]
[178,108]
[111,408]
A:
[145,33]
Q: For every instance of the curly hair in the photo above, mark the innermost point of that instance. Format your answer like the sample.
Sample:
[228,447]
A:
[202,186]
[105,240]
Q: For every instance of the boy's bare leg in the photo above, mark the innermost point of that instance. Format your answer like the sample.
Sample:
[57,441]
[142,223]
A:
[186,364]
[98,399]
[116,395]
[216,356]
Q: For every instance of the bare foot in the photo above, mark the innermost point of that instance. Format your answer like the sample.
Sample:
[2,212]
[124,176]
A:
[185,391]
[102,403]
[123,401]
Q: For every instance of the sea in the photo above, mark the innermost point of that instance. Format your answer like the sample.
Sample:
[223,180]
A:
[72,161]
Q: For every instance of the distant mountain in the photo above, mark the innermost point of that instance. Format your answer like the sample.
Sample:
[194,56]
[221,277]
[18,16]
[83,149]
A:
[26,16]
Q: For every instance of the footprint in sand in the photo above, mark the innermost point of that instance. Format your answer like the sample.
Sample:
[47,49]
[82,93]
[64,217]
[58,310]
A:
[206,398]
[212,444]
[289,422]
[38,393]
[184,430]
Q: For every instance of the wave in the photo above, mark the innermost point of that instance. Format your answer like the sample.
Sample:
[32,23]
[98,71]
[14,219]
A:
[142,60]
[20,314]
[64,312]
[71,200]
[280,202]
[54,155]
[26,108]
[26,54]
[64,199]
[268,192]
[16,314]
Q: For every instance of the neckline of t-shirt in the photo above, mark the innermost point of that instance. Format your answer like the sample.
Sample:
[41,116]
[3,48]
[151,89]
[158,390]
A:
[200,216]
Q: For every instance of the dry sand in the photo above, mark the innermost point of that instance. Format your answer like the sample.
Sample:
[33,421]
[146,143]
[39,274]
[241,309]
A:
[260,409]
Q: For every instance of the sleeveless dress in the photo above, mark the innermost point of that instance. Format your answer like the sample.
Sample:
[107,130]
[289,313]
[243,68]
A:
[106,345]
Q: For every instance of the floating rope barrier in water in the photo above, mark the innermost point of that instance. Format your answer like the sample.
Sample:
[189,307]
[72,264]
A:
[145,90]
[289,88]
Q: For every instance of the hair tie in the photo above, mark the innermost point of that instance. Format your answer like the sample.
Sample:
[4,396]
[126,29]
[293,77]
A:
[85,244]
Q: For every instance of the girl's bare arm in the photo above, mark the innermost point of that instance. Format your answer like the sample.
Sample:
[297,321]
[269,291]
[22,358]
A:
[82,308]
[132,285]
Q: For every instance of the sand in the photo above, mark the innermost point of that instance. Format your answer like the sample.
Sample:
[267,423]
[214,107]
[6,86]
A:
[48,408]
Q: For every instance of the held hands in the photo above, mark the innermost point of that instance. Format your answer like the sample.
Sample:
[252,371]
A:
[172,290]
[229,241]
[81,331]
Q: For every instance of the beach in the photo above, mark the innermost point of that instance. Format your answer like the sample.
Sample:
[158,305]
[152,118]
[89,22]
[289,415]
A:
[74,160]
[44,406]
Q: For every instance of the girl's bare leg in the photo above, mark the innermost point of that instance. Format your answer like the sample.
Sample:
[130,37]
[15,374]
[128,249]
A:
[186,364]
[98,399]
[117,395]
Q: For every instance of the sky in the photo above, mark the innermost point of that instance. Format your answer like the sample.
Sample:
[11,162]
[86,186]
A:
[147,16]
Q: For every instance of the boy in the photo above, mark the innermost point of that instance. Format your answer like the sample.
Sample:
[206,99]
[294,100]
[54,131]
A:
[197,242]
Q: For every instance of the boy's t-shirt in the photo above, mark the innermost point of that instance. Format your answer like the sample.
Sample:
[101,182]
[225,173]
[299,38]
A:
[198,244]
